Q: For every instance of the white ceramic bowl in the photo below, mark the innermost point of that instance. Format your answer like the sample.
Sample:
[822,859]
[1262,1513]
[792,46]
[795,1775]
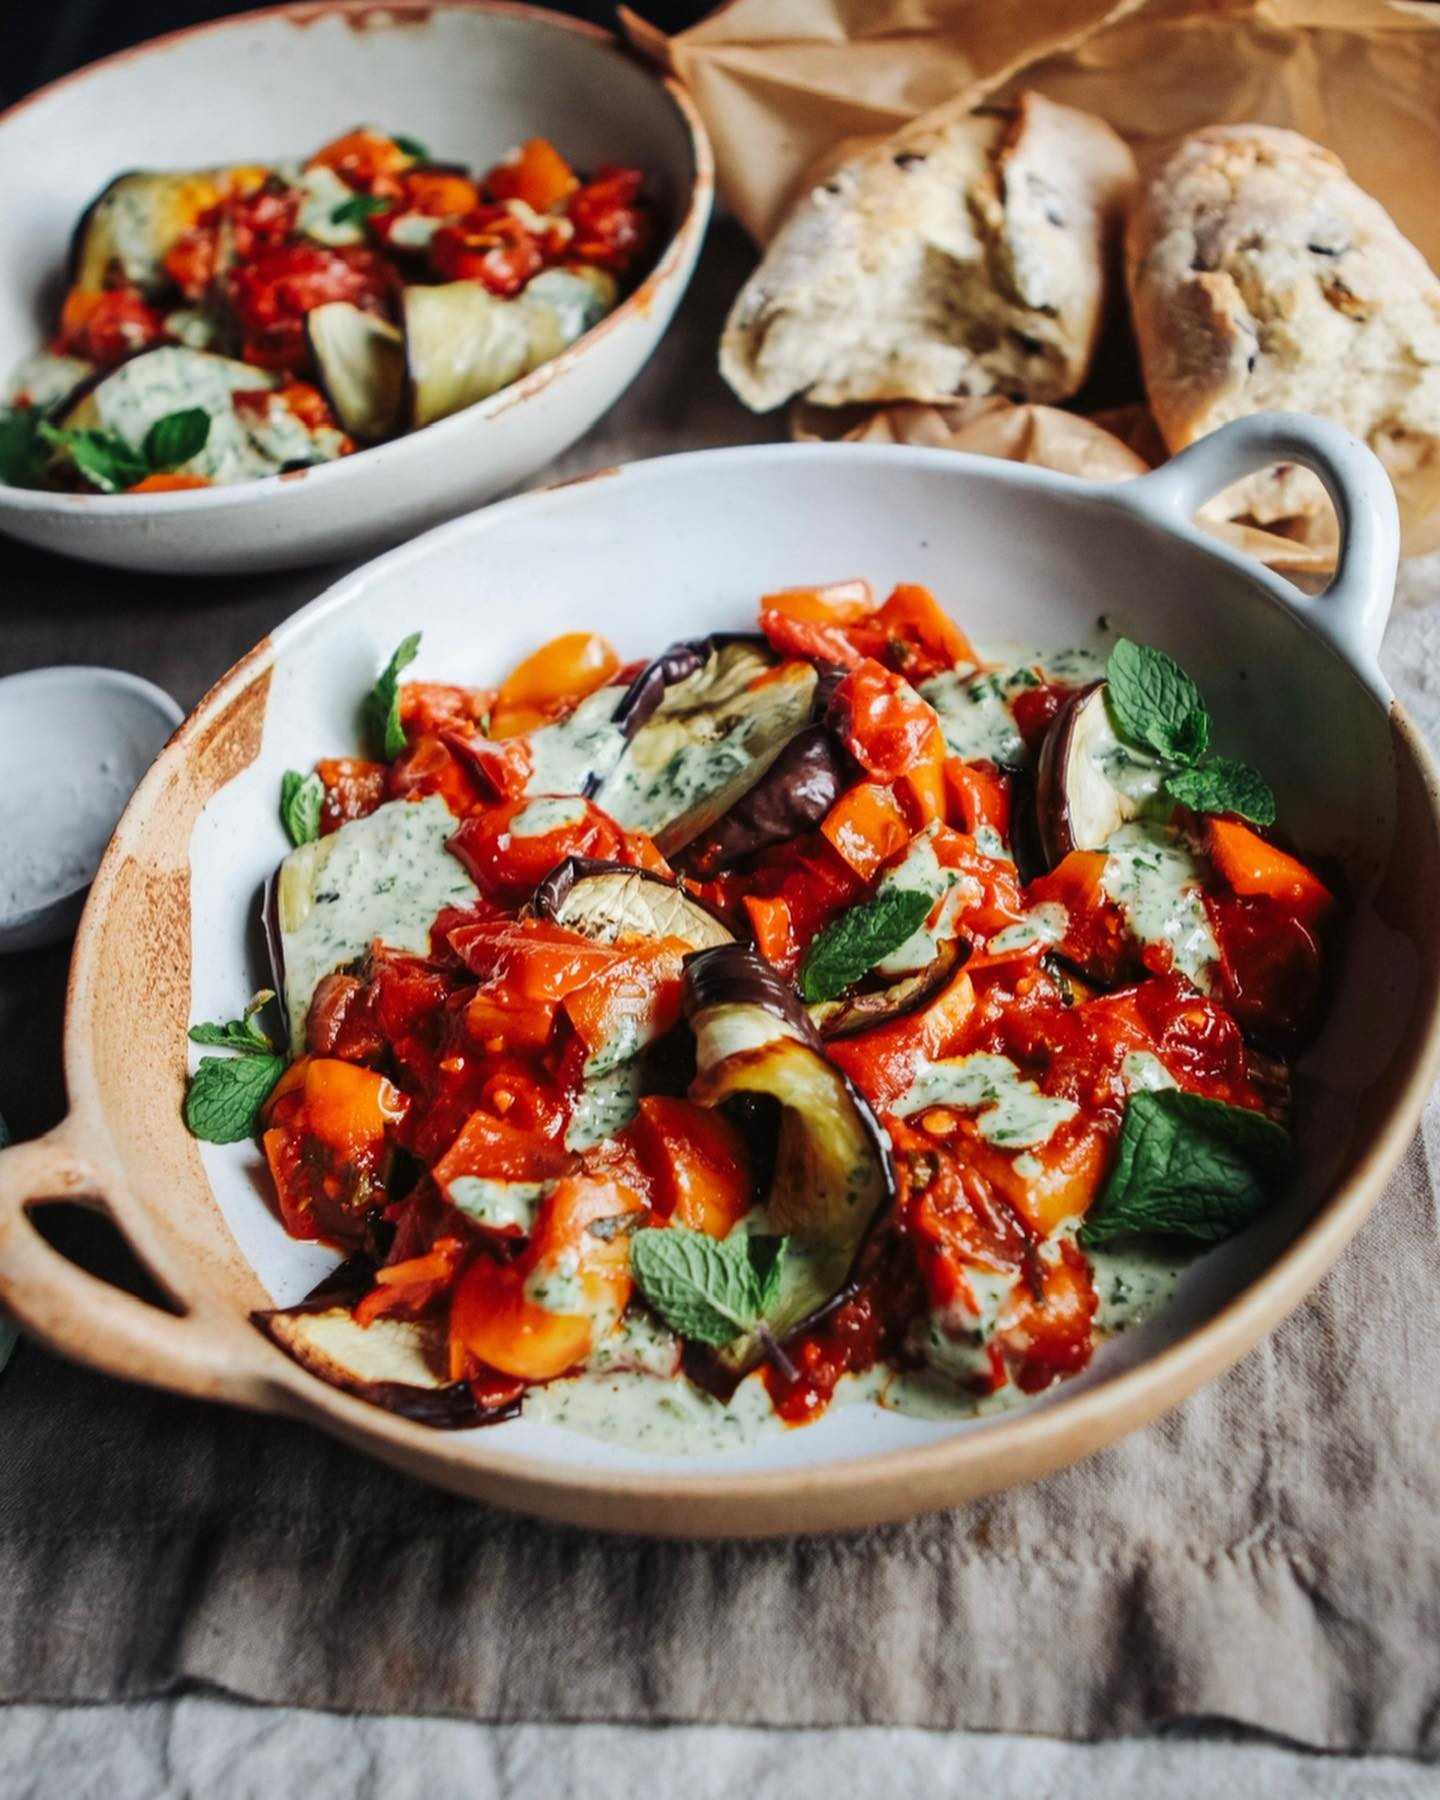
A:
[473,79]
[74,742]
[1016,553]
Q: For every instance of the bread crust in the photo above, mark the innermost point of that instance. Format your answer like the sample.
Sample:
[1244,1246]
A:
[1261,277]
[965,255]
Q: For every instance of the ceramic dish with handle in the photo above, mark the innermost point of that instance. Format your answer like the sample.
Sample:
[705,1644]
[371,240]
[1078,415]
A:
[1026,556]
[478,79]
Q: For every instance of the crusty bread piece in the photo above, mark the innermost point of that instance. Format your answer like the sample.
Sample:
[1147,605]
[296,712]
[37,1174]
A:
[967,256]
[1261,277]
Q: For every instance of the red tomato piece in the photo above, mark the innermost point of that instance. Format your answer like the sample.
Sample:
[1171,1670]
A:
[889,728]
[698,1165]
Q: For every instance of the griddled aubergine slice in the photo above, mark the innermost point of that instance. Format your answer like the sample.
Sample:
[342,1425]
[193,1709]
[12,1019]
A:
[701,734]
[609,900]
[831,1178]
[463,344]
[360,359]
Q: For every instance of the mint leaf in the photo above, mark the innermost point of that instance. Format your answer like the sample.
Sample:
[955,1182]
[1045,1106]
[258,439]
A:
[767,1257]
[704,1288]
[176,438]
[1188,1166]
[410,147]
[1155,704]
[851,945]
[383,706]
[358,208]
[302,798]
[226,1094]
[241,1034]
[20,454]
[1221,785]
[102,457]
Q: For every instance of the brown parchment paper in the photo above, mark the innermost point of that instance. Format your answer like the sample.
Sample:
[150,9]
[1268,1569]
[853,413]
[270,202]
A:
[779,82]
[784,85]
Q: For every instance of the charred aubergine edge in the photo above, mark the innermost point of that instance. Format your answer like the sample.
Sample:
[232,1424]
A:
[832,1178]
[606,900]
[390,1363]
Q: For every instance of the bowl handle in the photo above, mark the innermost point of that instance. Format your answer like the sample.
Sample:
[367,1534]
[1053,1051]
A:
[204,1351]
[1352,610]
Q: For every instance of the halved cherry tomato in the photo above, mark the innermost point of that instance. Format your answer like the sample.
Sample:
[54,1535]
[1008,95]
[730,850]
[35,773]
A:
[438,193]
[172,483]
[913,634]
[1097,936]
[353,789]
[527,967]
[612,226]
[107,325]
[497,1150]
[326,1144]
[510,847]
[773,930]
[552,681]
[430,766]
[540,1315]
[1046,1329]
[1251,866]
[428,708]
[888,727]
[816,639]
[633,1001]
[839,603]
[978,794]
[698,1165]
[1270,965]
[535,173]
[867,826]
[365,159]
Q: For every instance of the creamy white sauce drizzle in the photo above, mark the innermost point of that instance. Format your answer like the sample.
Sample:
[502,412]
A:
[606,1104]
[543,816]
[585,745]
[1153,877]
[976,706]
[508,1206]
[1141,1069]
[1012,1113]
[323,192]
[1133,1284]
[1043,924]
[920,871]
[385,876]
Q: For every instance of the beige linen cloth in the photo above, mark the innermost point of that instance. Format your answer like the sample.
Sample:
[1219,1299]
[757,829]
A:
[1270,1552]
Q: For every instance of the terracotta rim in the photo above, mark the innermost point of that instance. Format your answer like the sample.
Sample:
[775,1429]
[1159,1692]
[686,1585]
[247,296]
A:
[675,254]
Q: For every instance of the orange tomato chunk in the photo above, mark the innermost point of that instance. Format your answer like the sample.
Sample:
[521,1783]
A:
[697,1162]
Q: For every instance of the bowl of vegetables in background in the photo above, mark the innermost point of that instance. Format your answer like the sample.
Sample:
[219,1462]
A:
[299,283]
[1296,723]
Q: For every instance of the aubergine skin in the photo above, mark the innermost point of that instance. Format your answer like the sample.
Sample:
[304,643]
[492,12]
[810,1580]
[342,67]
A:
[1052,813]
[639,701]
[793,796]
[832,1177]
[555,897]
[736,975]
[445,1406]
[863,1012]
